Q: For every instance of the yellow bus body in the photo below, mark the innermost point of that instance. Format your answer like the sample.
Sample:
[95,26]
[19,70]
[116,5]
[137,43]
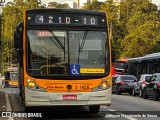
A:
[13,75]
[56,92]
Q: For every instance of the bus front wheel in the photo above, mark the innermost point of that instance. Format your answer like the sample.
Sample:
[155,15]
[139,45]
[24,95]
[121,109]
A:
[94,109]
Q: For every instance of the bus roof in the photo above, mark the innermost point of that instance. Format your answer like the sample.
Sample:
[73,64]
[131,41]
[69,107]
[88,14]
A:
[146,57]
[65,11]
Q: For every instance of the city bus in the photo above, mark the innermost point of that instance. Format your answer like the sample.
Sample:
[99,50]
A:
[121,67]
[11,77]
[64,58]
[147,64]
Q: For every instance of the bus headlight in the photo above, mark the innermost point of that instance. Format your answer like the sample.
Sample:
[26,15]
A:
[31,84]
[105,85]
[102,86]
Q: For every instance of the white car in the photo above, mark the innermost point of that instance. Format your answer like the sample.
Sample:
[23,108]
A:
[139,84]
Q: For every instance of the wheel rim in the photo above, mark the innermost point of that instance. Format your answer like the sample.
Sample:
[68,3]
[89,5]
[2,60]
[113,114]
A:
[133,92]
[140,93]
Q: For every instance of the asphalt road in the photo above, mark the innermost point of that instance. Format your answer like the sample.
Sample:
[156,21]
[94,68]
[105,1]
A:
[124,107]
[131,103]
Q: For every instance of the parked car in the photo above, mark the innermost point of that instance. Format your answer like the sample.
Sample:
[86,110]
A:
[152,88]
[113,81]
[139,85]
[124,83]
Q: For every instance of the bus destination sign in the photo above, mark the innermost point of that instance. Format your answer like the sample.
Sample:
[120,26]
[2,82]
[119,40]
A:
[63,19]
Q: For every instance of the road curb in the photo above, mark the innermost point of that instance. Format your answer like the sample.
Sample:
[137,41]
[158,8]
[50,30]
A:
[8,105]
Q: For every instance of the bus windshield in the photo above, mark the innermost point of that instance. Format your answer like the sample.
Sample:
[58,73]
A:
[56,52]
[120,64]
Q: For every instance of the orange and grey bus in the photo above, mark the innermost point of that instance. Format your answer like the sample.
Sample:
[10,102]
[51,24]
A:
[11,77]
[121,67]
[64,58]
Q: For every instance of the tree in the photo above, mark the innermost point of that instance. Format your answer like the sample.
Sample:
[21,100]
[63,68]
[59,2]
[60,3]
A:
[135,24]
[57,5]
[142,27]
[95,5]
[141,41]
[12,14]
[112,13]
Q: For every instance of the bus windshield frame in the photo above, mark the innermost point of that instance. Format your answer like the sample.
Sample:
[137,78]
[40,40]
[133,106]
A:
[64,41]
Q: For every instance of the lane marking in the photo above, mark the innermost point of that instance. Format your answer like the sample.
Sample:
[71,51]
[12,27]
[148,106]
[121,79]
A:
[104,107]
[111,110]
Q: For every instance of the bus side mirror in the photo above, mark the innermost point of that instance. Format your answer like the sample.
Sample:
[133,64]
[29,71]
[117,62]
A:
[18,37]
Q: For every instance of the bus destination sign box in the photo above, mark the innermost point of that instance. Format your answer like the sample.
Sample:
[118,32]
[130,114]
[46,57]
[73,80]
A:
[64,19]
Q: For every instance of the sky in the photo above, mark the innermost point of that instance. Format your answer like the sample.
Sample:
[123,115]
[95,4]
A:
[157,2]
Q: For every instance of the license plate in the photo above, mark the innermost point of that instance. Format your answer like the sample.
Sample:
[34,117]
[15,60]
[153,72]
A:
[129,83]
[69,97]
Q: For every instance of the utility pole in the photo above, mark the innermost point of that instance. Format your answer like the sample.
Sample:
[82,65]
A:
[1,27]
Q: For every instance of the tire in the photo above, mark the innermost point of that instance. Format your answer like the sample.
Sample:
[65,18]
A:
[155,95]
[141,93]
[94,109]
[133,92]
[118,92]
[130,92]
[144,94]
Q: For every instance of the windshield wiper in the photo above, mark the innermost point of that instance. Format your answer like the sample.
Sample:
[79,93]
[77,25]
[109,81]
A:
[61,46]
[82,43]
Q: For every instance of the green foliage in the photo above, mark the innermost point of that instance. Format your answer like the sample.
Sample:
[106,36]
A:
[140,41]
[143,28]
[95,5]
[57,5]
[135,25]
[12,14]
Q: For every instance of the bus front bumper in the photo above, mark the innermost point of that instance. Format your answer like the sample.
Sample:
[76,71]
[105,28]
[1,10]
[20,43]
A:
[37,98]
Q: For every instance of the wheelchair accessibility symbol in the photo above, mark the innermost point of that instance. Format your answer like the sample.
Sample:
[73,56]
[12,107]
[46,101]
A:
[74,69]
